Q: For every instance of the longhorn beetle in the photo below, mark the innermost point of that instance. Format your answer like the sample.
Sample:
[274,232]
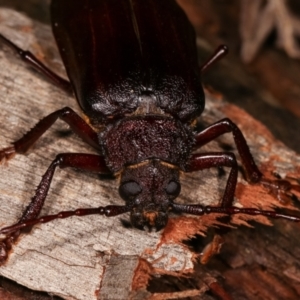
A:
[132,65]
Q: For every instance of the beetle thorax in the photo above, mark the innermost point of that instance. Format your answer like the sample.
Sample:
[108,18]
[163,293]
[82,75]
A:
[136,139]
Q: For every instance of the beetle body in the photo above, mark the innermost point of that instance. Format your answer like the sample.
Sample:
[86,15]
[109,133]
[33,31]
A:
[144,92]
[132,65]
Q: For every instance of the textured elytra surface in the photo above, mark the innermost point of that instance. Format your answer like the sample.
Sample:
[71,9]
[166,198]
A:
[67,257]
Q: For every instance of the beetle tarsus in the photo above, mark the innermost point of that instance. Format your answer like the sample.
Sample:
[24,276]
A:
[4,251]
[6,245]
[7,153]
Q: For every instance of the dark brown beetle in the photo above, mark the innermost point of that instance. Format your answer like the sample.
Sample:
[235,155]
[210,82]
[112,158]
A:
[132,65]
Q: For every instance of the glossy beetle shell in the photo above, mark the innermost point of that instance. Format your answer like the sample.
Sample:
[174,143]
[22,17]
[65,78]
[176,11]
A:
[129,49]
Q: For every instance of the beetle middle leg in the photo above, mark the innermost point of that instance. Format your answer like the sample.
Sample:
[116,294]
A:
[32,61]
[77,124]
[85,162]
[277,187]
[224,159]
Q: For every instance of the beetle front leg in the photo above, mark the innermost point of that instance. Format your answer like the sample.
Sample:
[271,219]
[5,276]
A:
[204,161]
[208,160]
[77,124]
[279,188]
[85,162]
[224,126]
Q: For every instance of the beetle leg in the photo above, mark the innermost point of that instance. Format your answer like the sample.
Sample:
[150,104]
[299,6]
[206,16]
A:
[32,61]
[77,124]
[226,125]
[85,162]
[203,161]
[207,160]
[279,188]
[212,159]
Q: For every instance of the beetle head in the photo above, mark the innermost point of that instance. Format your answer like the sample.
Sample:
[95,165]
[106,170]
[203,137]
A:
[150,187]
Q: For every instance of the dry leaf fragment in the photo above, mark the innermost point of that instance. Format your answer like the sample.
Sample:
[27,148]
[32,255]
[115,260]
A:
[259,19]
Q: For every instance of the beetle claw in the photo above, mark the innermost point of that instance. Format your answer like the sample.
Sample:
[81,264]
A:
[5,247]
[7,153]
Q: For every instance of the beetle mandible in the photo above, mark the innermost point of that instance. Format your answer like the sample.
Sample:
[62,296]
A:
[135,75]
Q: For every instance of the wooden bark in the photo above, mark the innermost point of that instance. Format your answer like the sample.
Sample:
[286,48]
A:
[96,257]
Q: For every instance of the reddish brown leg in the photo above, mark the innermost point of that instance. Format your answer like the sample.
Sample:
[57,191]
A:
[279,188]
[85,162]
[32,61]
[77,124]
[226,125]
[208,160]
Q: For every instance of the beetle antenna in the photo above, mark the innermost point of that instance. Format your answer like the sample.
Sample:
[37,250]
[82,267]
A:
[108,211]
[203,210]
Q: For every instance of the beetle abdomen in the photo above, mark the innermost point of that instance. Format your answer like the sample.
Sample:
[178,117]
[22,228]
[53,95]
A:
[136,139]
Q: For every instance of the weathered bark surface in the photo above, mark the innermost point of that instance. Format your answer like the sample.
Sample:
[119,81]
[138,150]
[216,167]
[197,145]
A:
[97,257]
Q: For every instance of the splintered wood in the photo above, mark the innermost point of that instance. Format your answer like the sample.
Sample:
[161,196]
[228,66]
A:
[87,258]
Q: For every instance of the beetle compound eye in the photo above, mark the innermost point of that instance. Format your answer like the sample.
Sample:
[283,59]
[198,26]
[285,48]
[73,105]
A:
[173,188]
[129,189]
